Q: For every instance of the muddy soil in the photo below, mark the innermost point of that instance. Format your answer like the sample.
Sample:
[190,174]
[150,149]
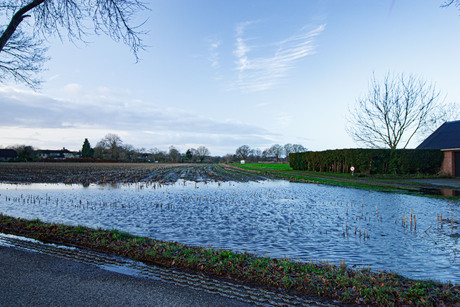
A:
[102,173]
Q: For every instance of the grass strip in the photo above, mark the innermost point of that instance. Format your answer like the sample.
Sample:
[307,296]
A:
[380,183]
[310,279]
[308,177]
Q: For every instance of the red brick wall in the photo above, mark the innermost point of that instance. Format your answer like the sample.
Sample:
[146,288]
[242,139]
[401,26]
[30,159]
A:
[448,165]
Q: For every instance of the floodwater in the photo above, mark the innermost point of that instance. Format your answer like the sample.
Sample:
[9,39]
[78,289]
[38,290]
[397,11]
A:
[398,233]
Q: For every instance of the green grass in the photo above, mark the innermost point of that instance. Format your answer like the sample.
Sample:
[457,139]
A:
[286,167]
[309,279]
[284,171]
[375,182]
[266,166]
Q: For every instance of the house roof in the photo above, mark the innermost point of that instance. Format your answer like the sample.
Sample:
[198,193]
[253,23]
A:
[447,136]
[52,151]
[8,153]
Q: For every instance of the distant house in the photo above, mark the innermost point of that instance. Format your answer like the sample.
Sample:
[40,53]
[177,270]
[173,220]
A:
[447,139]
[8,154]
[60,154]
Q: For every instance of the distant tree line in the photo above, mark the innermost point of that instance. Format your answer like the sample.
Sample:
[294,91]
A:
[25,152]
[112,148]
[275,153]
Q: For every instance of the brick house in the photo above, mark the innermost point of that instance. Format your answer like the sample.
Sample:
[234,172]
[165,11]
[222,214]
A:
[447,139]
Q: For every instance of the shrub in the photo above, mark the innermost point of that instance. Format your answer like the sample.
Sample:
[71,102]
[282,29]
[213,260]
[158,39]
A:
[369,161]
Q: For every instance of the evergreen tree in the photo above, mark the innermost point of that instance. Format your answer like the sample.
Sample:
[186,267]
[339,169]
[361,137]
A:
[189,155]
[86,150]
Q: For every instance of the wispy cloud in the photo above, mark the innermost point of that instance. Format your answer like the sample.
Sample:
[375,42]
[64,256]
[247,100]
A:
[242,48]
[262,72]
[214,57]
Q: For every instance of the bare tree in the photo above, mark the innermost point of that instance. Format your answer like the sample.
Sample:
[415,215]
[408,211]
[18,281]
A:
[298,148]
[276,152]
[109,147]
[393,111]
[173,154]
[293,148]
[22,55]
[202,152]
[256,155]
[243,152]
[288,149]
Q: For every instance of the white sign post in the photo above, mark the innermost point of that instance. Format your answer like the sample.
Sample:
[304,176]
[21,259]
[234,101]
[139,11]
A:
[352,169]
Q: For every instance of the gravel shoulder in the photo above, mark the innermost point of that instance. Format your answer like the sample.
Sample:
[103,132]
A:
[33,279]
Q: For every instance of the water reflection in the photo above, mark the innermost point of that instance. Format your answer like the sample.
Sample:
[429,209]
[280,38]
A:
[393,232]
[443,192]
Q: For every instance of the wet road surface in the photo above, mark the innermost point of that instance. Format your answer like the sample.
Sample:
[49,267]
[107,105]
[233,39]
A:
[33,279]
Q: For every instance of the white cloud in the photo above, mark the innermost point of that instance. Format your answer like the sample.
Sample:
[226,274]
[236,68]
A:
[264,70]
[97,112]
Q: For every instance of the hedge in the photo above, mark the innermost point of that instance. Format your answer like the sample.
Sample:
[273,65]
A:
[370,161]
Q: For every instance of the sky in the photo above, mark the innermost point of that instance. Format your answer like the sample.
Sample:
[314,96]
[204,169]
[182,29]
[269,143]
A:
[222,74]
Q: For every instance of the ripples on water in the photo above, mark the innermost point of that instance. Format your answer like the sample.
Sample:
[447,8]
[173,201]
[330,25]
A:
[276,218]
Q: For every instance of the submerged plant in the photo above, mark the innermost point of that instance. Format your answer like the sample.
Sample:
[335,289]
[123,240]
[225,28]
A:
[319,279]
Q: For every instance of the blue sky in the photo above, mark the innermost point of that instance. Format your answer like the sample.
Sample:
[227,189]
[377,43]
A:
[227,73]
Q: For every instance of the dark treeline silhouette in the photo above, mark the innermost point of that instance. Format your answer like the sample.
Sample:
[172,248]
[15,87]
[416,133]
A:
[111,148]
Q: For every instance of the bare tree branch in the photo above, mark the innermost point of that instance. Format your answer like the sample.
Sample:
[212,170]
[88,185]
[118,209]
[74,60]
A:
[443,113]
[451,2]
[58,17]
[21,59]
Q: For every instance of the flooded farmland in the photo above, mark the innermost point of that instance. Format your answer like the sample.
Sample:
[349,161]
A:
[414,236]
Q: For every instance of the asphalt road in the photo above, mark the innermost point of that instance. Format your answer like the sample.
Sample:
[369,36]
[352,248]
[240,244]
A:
[34,279]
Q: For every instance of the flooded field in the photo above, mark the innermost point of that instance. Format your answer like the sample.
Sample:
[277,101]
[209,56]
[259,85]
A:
[103,173]
[414,236]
